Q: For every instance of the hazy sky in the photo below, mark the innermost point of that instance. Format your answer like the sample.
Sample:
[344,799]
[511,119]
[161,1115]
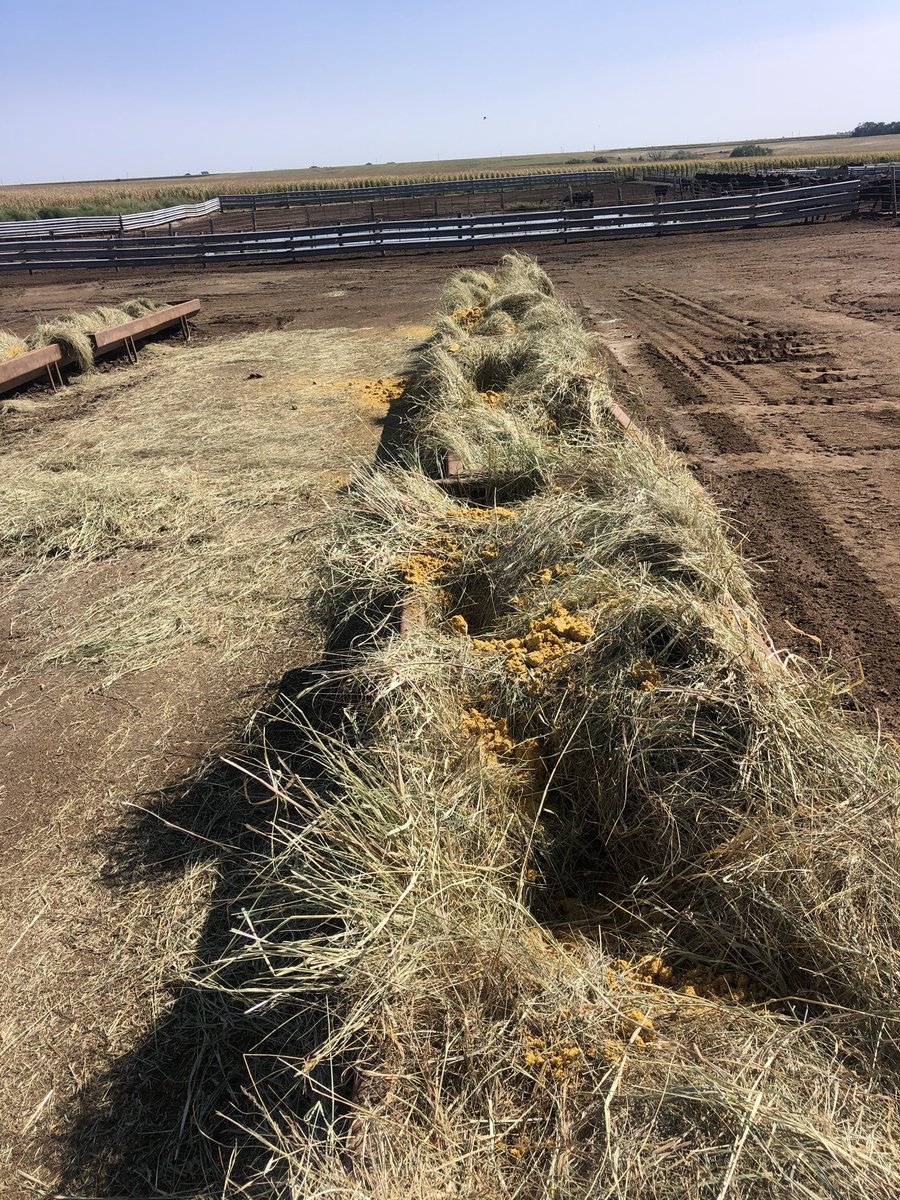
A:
[114,88]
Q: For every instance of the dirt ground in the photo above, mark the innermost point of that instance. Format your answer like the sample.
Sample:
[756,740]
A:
[769,359]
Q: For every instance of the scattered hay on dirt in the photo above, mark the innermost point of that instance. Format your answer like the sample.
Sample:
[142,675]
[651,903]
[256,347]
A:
[186,518]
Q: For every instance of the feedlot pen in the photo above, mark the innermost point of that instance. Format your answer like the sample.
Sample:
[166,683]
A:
[771,363]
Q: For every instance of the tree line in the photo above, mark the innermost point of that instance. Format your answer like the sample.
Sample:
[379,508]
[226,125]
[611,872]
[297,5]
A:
[870,128]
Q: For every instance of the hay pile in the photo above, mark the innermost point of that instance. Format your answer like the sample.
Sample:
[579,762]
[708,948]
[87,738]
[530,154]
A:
[11,345]
[72,331]
[595,894]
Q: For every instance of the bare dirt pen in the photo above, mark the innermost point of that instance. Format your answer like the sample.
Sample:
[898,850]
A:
[770,360]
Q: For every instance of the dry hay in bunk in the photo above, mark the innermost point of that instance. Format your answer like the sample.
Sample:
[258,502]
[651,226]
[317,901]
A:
[72,331]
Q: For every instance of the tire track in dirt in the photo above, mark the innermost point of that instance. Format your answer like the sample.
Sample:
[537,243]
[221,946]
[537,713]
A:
[747,406]
[812,582]
[679,340]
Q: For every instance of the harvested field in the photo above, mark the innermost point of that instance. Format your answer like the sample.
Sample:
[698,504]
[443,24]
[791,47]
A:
[707,332]
[132,195]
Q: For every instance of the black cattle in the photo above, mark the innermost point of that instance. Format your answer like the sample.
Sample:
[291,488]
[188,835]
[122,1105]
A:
[579,198]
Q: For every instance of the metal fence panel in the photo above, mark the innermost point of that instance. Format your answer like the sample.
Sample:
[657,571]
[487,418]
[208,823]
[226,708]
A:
[273,245]
[51,227]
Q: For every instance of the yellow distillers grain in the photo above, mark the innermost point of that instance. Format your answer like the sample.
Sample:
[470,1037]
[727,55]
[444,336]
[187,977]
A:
[646,675]
[441,553]
[702,981]
[439,556]
[491,735]
[11,346]
[468,318]
[548,639]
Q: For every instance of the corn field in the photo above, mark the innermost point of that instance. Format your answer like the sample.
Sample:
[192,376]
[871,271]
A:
[103,197]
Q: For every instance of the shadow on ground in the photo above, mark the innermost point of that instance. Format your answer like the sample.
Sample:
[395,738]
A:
[183,1114]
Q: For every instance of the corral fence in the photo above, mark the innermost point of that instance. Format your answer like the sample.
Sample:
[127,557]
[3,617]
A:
[428,233]
[880,188]
[63,227]
[438,187]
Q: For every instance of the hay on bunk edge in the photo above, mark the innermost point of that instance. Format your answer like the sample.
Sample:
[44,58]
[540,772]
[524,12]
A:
[72,331]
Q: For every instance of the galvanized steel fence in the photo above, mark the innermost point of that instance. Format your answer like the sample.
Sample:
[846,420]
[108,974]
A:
[438,187]
[426,233]
[52,227]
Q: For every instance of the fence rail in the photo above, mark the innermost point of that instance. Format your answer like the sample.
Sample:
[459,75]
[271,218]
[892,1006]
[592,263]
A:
[52,227]
[33,364]
[377,237]
[46,361]
[438,187]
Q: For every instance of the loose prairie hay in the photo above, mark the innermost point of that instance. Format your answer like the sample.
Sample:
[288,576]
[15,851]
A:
[25,405]
[616,504]
[188,516]
[402,531]
[497,324]
[517,305]
[520,272]
[467,290]
[138,307]
[694,773]
[491,442]
[72,331]
[593,894]
[490,1055]
[11,345]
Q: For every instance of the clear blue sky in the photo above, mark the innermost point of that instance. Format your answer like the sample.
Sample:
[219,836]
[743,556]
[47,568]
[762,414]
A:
[109,89]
